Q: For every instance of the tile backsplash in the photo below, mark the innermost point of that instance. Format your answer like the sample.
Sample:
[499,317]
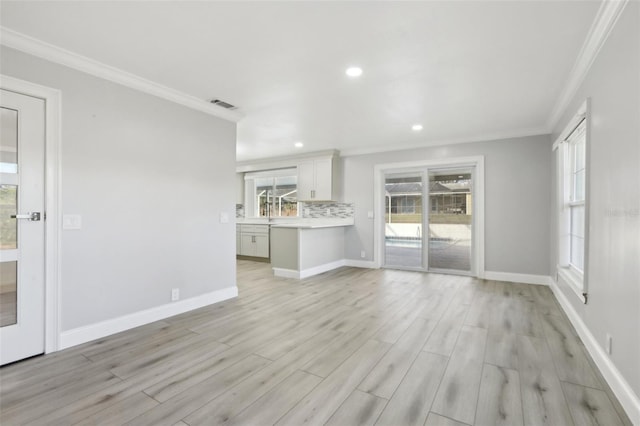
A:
[315,210]
[320,210]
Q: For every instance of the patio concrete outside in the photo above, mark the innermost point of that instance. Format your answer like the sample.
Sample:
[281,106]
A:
[452,254]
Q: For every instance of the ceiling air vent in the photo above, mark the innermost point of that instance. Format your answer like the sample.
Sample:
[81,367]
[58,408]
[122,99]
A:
[223,104]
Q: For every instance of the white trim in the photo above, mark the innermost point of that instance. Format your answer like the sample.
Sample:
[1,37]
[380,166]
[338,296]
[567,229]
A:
[292,273]
[305,273]
[309,272]
[518,278]
[537,131]
[52,98]
[620,387]
[582,114]
[471,161]
[606,18]
[101,329]
[286,273]
[574,282]
[41,49]
[291,161]
[354,263]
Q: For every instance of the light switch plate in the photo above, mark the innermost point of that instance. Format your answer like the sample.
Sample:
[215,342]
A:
[370,214]
[224,217]
[71,221]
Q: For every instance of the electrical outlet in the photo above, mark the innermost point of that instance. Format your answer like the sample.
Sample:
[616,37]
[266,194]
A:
[609,343]
[362,254]
[328,211]
[175,294]
[307,212]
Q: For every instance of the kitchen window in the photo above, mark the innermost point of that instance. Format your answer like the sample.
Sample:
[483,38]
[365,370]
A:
[272,193]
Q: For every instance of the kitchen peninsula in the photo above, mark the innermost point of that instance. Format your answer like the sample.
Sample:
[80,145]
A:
[303,249]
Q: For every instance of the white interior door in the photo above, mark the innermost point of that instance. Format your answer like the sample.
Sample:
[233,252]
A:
[22,226]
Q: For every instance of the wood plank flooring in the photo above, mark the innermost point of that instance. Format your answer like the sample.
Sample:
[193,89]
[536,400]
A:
[349,347]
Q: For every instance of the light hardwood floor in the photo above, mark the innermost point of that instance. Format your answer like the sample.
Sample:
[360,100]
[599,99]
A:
[349,347]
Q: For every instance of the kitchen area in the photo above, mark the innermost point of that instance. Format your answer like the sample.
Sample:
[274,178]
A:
[287,214]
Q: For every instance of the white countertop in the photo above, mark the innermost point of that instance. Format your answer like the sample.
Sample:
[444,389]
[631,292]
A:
[313,223]
[251,221]
[310,225]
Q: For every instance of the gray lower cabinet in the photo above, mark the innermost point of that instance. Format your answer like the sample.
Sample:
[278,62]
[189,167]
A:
[253,240]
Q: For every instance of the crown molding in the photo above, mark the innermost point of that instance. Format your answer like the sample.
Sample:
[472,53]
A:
[605,20]
[41,49]
[537,131]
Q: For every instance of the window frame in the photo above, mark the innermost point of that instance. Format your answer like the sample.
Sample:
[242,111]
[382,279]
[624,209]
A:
[578,136]
[576,132]
[252,207]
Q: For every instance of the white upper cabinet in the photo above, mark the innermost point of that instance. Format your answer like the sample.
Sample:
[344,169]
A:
[316,180]
[324,180]
[306,180]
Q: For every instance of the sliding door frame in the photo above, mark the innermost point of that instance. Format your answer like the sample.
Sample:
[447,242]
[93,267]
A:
[476,162]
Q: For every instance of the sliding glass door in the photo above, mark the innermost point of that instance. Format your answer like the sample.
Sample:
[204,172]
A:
[403,237]
[438,200]
[450,220]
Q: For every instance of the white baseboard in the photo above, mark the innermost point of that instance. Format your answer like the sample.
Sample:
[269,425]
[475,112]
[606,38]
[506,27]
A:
[369,264]
[101,329]
[305,273]
[309,272]
[286,273]
[620,387]
[517,278]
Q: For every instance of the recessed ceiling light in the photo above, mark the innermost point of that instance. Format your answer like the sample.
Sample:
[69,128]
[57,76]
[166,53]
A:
[298,144]
[354,71]
[416,127]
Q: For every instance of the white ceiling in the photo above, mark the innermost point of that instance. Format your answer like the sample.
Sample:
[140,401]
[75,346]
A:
[466,70]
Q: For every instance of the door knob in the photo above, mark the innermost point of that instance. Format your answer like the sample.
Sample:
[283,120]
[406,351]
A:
[32,216]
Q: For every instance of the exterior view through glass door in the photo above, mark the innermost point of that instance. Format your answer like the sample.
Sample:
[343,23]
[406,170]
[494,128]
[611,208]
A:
[446,194]
[22,226]
[403,239]
[450,220]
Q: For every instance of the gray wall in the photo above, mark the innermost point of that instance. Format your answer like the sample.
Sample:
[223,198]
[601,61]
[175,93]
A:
[517,199]
[613,271]
[321,246]
[150,179]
